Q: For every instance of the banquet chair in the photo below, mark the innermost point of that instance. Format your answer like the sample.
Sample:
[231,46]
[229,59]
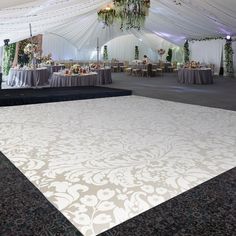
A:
[136,71]
[154,70]
[128,70]
[124,66]
[159,71]
[115,68]
[170,68]
[144,71]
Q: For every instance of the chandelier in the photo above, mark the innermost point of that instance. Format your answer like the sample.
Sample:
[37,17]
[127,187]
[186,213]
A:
[128,13]
[107,16]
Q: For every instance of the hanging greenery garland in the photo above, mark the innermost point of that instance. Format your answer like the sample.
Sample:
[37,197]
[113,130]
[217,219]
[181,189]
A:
[205,39]
[229,58]
[8,57]
[128,13]
[186,52]
[105,53]
[136,53]
[107,16]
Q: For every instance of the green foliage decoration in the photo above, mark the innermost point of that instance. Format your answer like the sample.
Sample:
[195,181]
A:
[128,13]
[186,51]
[169,56]
[229,58]
[105,53]
[8,57]
[205,39]
[136,53]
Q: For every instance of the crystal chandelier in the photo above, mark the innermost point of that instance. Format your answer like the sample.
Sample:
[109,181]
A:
[128,13]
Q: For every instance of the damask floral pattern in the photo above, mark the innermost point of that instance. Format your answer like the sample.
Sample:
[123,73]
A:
[103,161]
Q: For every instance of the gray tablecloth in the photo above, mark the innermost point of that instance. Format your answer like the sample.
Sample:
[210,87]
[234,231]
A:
[28,77]
[104,76]
[195,76]
[60,80]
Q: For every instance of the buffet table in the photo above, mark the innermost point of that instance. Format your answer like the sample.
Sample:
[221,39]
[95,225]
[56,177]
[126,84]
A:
[28,77]
[195,76]
[62,80]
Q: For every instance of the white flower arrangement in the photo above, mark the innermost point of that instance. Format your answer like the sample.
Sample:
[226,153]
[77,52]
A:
[49,62]
[75,68]
[30,48]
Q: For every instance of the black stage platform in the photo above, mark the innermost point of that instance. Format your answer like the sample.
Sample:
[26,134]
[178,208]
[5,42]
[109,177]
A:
[12,97]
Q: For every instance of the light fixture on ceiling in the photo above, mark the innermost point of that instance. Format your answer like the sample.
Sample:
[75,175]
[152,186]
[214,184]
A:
[128,13]
[228,38]
[6,42]
[107,15]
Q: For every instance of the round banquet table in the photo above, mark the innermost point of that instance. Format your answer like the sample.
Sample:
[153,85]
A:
[27,77]
[195,76]
[62,80]
[104,75]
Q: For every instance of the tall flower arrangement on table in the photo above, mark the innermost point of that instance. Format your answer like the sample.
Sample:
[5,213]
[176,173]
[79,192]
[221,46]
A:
[161,52]
[47,59]
[31,51]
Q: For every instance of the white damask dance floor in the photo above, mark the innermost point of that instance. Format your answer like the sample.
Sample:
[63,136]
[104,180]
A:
[103,161]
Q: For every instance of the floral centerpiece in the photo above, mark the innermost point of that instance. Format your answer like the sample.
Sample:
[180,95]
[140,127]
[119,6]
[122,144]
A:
[49,62]
[192,65]
[75,69]
[30,49]
[47,59]
[95,66]
[161,52]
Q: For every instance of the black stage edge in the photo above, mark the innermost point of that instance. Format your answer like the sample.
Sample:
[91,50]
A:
[206,210]
[24,211]
[13,97]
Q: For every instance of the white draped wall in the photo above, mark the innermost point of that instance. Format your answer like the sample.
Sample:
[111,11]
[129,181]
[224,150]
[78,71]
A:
[208,52]
[123,47]
[60,48]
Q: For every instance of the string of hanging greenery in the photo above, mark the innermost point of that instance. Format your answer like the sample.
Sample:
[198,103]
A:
[128,13]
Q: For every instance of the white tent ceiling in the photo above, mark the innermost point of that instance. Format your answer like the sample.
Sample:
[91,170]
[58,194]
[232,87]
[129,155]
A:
[76,20]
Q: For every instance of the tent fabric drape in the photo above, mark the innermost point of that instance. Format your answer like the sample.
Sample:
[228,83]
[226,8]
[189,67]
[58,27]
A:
[208,52]
[77,20]
[60,48]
